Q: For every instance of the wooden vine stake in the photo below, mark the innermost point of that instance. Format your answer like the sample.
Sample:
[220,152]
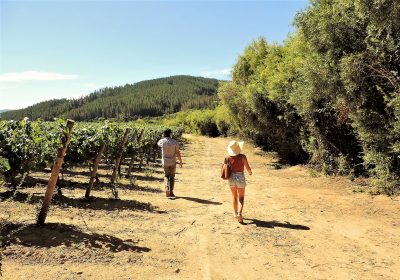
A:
[94,171]
[155,153]
[141,160]
[148,155]
[114,175]
[134,154]
[54,176]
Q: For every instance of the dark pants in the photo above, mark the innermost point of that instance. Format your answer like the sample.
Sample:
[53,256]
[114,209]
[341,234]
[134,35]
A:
[169,177]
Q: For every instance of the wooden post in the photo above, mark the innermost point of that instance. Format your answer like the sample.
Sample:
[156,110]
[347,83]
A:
[141,160]
[54,176]
[134,154]
[95,168]
[148,155]
[155,153]
[114,175]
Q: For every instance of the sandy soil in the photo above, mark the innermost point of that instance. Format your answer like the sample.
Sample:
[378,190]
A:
[295,226]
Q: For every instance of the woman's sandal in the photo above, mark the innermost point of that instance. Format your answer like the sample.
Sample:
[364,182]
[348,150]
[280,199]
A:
[239,217]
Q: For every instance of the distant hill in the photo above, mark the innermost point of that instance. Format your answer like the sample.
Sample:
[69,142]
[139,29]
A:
[147,98]
[4,110]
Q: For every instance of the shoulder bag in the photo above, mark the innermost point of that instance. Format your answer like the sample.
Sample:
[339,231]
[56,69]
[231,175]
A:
[226,169]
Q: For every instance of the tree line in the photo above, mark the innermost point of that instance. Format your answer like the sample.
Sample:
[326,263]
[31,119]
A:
[125,103]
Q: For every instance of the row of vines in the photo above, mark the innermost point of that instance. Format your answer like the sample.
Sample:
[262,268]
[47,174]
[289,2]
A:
[27,146]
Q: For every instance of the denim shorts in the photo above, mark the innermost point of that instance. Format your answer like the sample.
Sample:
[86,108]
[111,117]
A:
[237,179]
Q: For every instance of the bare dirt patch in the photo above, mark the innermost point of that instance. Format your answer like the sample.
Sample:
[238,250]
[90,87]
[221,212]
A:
[295,226]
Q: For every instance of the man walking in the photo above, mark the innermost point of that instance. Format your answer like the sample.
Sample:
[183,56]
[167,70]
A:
[170,150]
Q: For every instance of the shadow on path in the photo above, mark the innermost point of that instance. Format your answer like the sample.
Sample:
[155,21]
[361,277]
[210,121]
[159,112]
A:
[147,178]
[198,200]
[99,203]
[57,234]
[273,224]
[94,203]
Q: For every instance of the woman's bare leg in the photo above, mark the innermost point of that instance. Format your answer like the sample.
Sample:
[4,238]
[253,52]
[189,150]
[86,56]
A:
[234,191]
[241,198]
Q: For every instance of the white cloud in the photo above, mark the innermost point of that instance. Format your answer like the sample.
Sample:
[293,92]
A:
[35,76]
[218,72]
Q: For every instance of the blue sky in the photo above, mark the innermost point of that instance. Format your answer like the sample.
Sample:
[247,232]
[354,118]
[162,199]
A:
[66,49]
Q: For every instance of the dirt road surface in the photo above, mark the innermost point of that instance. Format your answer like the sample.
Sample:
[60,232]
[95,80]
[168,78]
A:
[295,226]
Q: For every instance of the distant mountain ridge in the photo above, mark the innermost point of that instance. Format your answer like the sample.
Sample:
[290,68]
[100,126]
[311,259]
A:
[123,103]
[4,110]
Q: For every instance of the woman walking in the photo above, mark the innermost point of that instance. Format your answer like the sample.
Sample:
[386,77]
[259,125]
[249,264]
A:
[237,180]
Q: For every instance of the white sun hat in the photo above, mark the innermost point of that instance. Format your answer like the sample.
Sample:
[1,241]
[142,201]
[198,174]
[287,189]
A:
[235,148]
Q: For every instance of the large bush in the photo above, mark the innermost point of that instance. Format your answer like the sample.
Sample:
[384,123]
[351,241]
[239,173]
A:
[330,93]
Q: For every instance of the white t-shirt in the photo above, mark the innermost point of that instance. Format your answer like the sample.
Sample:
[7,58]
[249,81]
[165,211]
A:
[169,147]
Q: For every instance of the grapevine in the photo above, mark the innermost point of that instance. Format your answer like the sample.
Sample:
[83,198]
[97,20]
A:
[32,145]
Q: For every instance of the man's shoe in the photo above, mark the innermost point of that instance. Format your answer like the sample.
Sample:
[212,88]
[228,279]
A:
[171,194]
[167,194]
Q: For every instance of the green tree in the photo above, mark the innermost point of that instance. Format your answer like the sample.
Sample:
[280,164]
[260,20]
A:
[359,40]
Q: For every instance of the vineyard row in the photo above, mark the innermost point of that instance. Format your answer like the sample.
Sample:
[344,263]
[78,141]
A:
[34,145]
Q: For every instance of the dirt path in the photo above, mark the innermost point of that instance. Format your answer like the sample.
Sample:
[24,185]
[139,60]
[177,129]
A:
[295,227]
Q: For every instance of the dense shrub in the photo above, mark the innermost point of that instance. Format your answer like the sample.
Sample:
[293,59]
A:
[329,94]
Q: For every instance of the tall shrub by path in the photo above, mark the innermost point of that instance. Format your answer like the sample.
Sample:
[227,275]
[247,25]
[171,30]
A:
[329,93]
[223,121]
[314,90]
[259,111]
[201,122]
[361,42]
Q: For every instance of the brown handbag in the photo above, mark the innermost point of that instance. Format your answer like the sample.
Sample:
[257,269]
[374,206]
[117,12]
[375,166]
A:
[226,169]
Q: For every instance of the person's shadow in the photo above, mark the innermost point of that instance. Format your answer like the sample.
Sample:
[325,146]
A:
[198,200]
[273,224]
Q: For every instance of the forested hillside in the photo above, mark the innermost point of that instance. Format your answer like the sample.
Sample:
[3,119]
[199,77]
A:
[147,98]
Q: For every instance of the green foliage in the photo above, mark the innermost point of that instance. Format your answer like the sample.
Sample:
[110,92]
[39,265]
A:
[27,145]
[86,140]
[329,95]
[313,173]
[202,122]
[359,40]
[4,166]
[358,190]
[195,121]
[249,63]
[384,186]
[223,121]
[256,99]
